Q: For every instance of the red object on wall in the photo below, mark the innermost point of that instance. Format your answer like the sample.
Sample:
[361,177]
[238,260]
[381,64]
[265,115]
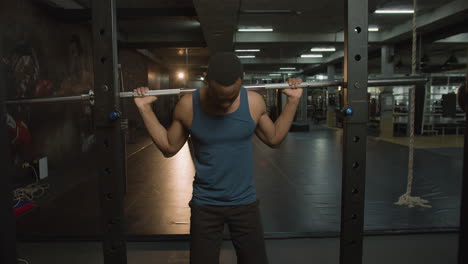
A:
[24,136]
[24,207]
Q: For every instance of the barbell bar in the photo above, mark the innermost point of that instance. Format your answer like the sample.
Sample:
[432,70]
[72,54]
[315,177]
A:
[83,97]
[90,95]
[371,83]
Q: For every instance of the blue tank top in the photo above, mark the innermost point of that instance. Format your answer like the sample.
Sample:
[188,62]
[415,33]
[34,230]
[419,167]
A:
[223,155]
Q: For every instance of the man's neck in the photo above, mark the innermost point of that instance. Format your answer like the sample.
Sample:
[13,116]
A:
[210,108]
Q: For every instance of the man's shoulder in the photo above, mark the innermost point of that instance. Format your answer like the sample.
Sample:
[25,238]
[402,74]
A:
[186,100]
[184,106]
[254,96]
[256,104]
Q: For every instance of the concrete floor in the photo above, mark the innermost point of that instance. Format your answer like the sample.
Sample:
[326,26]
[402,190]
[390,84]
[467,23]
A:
[399,249]
[299,187]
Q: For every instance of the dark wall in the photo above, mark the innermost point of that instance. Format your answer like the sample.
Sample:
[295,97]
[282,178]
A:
[137,70]
[135,74]
[164,106]
[46,57]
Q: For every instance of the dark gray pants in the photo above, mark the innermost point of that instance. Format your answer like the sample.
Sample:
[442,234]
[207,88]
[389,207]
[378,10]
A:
[245,226]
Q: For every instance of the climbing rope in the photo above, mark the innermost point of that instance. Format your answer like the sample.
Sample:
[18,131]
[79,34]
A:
[406,199]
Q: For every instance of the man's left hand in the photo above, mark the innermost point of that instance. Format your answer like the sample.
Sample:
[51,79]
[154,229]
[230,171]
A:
[294,92]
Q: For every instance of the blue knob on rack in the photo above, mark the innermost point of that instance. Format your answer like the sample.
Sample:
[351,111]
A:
[114,115]
[348,112]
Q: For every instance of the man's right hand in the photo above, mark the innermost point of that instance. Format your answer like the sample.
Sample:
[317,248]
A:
[142,100]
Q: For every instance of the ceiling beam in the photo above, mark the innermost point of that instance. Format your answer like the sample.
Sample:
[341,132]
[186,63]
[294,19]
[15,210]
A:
[152,56]
[444,16]
[283,61]
[446,32]
[219,21]
[84,15]
[276,37]
[441,18]
[460,38]
[192,39]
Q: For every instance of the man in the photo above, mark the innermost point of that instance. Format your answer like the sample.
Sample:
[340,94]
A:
[221,119]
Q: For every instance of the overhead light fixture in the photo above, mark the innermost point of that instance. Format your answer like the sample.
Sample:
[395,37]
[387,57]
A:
[255,29]
[323,49]
[246,57]
[202,78]
[247,50]
[288,68]
[373,29]
[275,74]
[181,75]
[311,56]
[394,11]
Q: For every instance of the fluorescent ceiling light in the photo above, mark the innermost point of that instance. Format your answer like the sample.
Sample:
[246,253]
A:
[255,29]
[246,57]
[288,68]
[322,49]
[394,11]
[373,29]
[247,50]
[275,74]
[311,56]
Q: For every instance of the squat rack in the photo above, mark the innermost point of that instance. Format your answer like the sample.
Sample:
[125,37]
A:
[111,141]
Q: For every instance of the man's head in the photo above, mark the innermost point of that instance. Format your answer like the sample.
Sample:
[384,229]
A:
[224,79]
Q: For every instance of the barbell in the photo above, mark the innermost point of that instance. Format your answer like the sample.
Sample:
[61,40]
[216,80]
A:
[408,81]
[83,97]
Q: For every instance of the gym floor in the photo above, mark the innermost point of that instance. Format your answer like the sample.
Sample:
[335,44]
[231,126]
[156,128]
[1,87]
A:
[401,249]
[299,187]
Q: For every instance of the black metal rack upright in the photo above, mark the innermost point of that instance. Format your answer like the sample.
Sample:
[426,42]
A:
[354,131]
[109,134]
[7,219]
[110,141]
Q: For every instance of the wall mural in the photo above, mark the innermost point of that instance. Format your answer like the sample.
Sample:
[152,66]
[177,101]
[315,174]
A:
[23,70]
[26,79]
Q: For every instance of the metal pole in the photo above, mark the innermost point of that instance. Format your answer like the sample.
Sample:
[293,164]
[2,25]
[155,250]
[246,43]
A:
[463,237]
[396,81]
[371,82]
[124,127]
[83,97]
[354,131]
[108,131]
[7,219]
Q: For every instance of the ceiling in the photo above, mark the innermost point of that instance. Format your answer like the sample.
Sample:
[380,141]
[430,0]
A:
[169,28]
